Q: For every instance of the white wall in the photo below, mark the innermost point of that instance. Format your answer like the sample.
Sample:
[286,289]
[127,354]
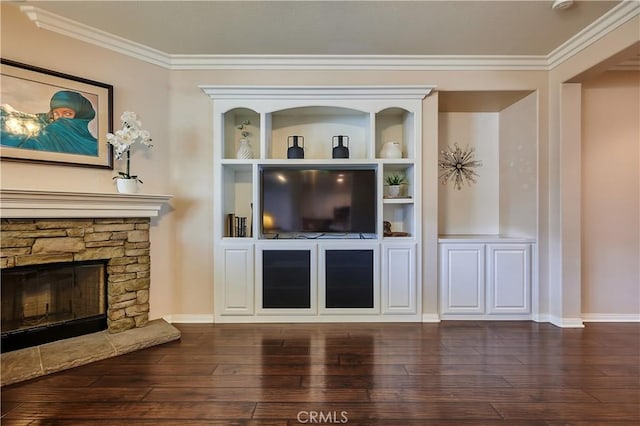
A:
[518,168]
[611,195]
[138,87]
[559,240]
[474,209]
[192,179]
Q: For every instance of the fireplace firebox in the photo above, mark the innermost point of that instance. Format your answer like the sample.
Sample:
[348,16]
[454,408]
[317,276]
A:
[49,302]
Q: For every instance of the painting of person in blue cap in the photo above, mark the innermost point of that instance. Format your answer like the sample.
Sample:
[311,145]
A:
[64,128]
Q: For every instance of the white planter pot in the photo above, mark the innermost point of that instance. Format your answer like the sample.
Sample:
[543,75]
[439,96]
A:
[127,186]
[394,190]
[391,150]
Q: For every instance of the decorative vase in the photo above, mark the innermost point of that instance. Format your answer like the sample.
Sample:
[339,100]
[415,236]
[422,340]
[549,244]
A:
[339,150]
[294,150]
[391,149]
[127,186]
[394,190]
[244,151]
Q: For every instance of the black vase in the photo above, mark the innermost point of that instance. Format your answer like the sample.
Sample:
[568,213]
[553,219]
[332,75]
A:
[294,150]
[339,150]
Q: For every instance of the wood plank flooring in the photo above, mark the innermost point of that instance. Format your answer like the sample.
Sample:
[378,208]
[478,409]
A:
[453,373]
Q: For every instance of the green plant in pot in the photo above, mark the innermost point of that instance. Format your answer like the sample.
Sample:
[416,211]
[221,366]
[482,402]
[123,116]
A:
[394,181]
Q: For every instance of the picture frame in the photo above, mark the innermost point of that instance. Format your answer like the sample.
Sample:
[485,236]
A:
[50,117]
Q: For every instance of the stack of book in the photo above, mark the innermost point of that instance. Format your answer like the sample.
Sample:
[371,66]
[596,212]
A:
[236,226]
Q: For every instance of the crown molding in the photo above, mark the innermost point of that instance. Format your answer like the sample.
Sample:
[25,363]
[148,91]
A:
[61,25]
[359,62]
[317,92]
[630,65]
[608,22]
[617,16]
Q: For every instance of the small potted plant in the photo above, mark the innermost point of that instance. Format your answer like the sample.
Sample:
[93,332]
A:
[393,182]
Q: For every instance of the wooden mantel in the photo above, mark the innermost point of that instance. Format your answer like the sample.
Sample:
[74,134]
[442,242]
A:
[24,203]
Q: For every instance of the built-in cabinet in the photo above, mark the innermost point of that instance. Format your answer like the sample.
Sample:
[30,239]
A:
[487,244]
[484,278]
[488,228]
[316,276]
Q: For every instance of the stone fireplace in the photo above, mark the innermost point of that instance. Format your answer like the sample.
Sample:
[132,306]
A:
[62,229]
[122,243]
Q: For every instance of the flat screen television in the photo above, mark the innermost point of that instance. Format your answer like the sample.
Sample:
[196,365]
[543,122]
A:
[320,200]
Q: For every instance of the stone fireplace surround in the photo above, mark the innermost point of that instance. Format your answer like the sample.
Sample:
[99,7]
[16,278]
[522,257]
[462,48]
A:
[122,242]
[40,227]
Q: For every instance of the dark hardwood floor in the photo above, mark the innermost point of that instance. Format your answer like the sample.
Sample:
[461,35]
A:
[453,373]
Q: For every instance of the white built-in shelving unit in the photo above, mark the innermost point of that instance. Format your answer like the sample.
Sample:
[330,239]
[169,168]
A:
[370,116]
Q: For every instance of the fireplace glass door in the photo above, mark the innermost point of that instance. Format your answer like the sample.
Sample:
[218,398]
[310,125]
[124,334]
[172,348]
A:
[40,302]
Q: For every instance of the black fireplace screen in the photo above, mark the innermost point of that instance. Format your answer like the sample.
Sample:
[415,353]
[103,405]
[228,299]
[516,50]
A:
[40,302]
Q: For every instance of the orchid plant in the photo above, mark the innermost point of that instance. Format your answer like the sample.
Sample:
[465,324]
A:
[244,128]
[122,140]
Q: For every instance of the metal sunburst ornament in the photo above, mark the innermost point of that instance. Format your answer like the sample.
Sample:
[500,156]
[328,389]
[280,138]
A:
[457,166]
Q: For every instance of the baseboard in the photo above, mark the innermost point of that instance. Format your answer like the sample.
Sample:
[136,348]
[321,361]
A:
[435,318]
[430,318]
[611,317]
[541,317]
[189,319]
[566,322]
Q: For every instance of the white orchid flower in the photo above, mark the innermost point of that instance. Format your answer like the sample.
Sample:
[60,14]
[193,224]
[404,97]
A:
[130,134]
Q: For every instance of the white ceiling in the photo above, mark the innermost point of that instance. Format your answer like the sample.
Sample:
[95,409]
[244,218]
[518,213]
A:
[272,27]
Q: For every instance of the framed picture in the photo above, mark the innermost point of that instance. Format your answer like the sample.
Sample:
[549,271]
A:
[54,118]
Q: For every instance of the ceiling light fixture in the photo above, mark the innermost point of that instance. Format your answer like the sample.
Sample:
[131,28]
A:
[562,4]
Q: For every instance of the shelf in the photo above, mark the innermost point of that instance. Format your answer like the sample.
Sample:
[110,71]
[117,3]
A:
[397,200]
[483,238]
[238,164]
[402,163]
[338,162]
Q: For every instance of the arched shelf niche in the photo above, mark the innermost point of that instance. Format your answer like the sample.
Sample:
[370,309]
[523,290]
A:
[241,123]
[395,125]
[318,125]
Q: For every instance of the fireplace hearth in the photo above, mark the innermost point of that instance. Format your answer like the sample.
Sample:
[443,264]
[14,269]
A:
[45,303]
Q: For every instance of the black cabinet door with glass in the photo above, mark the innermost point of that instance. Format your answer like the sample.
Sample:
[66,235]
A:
[349,278]
[286,279]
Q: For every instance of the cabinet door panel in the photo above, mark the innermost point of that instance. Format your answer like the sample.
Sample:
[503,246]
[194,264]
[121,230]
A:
[286,282]
[349,278]
[399,279]
[237,282]
[462,278]
[286,279]
[509,278]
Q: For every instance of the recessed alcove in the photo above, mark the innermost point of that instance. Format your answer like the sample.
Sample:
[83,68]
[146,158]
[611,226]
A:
[501,127]
[488,225]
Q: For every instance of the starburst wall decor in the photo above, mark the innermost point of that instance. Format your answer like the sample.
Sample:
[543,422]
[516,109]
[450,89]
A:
[458,165]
